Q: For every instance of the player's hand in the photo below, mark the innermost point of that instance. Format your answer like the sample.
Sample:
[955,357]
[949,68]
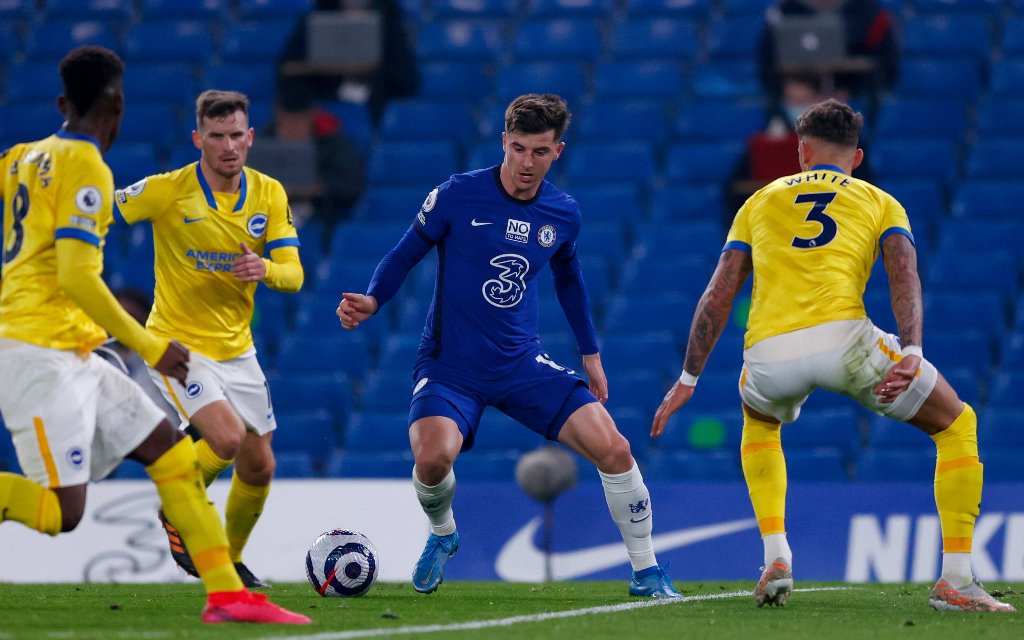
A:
[355,308]
[174,362]
[595,373]
[898,379]
[249,267]
[676,397]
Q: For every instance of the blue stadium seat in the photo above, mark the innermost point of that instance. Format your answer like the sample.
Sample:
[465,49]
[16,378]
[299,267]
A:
[295,464]
[752,7]
[365,240]
[702,162]
[734,37]
[129,470]
[650,80]
[617,120]
[51,41]
[10,39]
[160,82]
[569,8]
[412,313]
[131,162]
[395,205]
[1003,465]
[686,203]
[1000,116]
[735,80]
[587,162]
[657,351]
[607,203]
[566,78]
[960,349]
[693,466]
[255,40]
[1013,37]
[472,8]
[1005,391]
[923,198]
[896,465]
[316,314]
[939,77]
[916,158]
[1001,428]
[557,39]
[689,8]
[388,389]
[487,465]
[996,157]
[837,427]
[922,117]
[157,124]
[943,35]
[886,433]
[313,353]
[377,431]
[452,80]
[626,313]
[424,164]
[702,240]
[11,10]
[311,431]
[461,40]
[255,79]
[293,392]
[89,9]
[963,310]
[951,8]
[1008,77]
[378,464]
[33,82]
[719,390]
[820,464]
[194,9]
[967,384]
[340,273]
[411,120]
[636,389]
[29,121]
[651,38]
[280,9]
[189,41]
[724,120]
[602,240]
[981,235]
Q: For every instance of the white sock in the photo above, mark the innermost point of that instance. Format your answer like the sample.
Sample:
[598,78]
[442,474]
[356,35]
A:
[436,502]
[956,569]
[630,505]
[776,545]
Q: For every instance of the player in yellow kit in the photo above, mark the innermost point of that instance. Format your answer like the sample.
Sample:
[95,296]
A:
[212,222]
[73,416]
[810,240]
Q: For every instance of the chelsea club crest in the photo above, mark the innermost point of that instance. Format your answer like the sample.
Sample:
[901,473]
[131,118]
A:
[546,236]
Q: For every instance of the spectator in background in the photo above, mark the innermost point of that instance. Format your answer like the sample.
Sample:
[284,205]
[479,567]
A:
[396,76]
[870,32]
[340,163]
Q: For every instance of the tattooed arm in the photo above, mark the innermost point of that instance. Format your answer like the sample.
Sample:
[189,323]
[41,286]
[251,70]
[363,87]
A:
[900,258]
[709,321]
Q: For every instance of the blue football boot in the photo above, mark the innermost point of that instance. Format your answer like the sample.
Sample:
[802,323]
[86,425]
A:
[429,572]
[652,582]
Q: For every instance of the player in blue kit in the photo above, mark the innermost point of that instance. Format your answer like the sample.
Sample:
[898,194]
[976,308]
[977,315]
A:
[494,230]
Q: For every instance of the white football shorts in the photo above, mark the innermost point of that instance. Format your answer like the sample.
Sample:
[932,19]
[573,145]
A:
[847,356]
[239,380]
[73,418]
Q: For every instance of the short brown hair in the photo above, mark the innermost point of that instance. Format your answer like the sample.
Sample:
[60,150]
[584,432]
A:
[831,121]
[537,113]
[87,73]
[219,104]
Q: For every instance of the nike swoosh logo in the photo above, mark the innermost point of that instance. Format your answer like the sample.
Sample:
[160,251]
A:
[189,220]
[476,223]
[641,519]
[521,561]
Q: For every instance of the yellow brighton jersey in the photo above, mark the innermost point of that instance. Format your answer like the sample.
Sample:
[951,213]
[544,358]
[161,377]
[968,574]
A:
[197,235]
[58,187]
[813,238]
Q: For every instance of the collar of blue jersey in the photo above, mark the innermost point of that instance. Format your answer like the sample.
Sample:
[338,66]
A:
[828,167]
[208,192]
[496,171]
[67,135]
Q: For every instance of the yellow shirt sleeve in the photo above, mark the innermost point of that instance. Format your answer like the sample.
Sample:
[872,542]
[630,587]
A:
[144,200]
[284,269]
[739,233]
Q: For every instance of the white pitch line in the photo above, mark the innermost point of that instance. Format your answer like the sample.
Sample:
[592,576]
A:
[535,617]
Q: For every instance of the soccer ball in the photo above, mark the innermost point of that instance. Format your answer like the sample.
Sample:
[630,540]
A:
[342,563]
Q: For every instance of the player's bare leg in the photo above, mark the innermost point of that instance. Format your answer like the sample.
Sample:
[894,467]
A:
[435,442]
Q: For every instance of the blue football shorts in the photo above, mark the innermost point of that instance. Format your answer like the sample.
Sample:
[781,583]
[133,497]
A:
[537,393]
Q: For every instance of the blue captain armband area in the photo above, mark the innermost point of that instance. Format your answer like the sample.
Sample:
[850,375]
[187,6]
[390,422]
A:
[738,245]
[281,242]
[77,234]
[888,232]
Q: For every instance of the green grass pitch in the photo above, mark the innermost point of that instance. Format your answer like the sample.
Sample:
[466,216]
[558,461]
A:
[861,612]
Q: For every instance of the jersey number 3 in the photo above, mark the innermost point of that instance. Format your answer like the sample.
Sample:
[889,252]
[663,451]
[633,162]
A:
[817,214]
[19,209]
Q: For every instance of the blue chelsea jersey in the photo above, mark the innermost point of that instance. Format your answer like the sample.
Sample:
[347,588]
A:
[491,249]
